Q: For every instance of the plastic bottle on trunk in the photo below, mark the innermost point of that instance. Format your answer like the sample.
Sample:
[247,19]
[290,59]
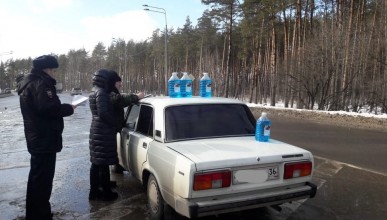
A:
[205,86]
[262,130]
[186,85]
[174,86]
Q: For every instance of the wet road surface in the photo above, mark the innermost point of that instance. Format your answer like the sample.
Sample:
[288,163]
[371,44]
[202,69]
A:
[343,193]
[360,147]
[355,188]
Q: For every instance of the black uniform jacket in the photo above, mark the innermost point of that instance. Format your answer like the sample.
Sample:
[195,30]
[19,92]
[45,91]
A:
[102,141]
[42,112]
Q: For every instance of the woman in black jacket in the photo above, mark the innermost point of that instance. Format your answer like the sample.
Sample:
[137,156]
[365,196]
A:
[121,101]
[102,140]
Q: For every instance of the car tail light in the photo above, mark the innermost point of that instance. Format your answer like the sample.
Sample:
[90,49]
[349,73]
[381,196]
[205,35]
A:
[212,180]
[294,170]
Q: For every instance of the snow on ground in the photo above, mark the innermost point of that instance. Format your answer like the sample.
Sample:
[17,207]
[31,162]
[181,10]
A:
[362,113]
[364,120]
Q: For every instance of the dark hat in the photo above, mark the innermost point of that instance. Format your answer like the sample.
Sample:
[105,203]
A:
[44,62]
[117,77]
[105,79]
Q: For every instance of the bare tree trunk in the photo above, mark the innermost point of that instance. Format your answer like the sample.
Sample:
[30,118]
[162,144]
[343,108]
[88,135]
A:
[298,49]
[384,76]
[253,71]
[344,85]
[273,64]
[286,54]
[311,16]
[228,68]
[258,68]
[338,70]
[186,68]
[201,57]
[224,72]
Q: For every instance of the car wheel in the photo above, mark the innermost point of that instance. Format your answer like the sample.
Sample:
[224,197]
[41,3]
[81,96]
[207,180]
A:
[155,200]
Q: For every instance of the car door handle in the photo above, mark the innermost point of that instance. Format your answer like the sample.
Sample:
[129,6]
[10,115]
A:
[144,145]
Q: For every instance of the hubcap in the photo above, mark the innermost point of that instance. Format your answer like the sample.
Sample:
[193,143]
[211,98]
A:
[153,197]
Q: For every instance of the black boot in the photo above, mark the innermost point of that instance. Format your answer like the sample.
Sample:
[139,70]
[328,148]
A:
[118,169]
[95,193]
[113,184]
[107,194]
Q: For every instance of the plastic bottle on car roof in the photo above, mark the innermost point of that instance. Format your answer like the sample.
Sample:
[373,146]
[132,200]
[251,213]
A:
[262,130]
[186,85]
[205,86]
[174,86]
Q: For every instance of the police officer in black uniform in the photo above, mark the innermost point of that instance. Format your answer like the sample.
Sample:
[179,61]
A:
[43,115]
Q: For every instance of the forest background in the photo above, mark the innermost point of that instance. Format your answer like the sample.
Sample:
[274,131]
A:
[308,54]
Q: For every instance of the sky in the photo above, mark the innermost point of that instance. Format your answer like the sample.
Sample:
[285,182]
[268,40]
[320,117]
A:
[30,28]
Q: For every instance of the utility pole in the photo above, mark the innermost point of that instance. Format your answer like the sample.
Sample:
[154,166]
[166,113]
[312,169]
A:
[163,11]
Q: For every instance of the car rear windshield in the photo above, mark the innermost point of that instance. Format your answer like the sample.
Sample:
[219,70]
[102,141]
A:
[203,121]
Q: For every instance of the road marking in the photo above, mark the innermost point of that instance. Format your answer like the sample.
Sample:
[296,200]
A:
[325,170]
[352,166]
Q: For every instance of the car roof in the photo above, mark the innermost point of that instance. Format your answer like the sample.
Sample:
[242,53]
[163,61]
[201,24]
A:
[165,101]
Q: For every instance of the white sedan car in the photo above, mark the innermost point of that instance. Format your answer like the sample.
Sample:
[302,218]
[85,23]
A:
[199,157]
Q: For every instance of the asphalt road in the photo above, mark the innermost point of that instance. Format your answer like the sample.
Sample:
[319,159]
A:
[359,147]
[351,169]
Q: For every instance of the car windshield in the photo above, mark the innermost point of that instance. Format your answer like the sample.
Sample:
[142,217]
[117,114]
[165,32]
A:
[203,121]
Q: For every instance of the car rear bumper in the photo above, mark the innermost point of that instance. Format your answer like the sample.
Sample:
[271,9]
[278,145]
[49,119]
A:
[248,201]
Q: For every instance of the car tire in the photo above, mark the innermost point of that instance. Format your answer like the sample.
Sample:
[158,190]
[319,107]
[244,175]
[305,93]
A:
[155,200]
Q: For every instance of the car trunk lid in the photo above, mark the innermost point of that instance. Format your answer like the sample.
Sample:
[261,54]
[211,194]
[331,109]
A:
[218,153]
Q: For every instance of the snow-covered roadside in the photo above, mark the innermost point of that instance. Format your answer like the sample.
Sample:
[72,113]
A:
[339,118]
[363,113]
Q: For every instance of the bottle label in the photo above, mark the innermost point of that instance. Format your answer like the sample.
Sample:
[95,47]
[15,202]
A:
[176,87]
[266,130]
[208,87]
[188,87]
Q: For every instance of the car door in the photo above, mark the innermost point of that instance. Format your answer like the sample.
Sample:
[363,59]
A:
[131,117]
[140,139]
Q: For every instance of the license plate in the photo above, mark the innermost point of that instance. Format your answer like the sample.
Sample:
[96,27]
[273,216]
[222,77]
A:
[272,173]
[256,175]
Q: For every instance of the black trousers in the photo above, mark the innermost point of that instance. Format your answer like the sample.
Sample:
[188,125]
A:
[99,177]
[39,186]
